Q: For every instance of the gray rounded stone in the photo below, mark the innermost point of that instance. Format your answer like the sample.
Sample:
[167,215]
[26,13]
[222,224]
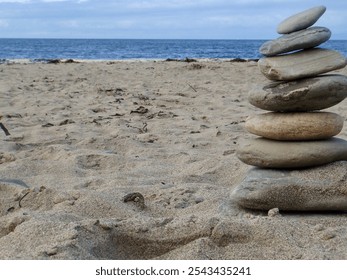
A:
[301,20]
[301,95]
[303,39]
[321,188]
[302,64]
[295,126]
[267,153]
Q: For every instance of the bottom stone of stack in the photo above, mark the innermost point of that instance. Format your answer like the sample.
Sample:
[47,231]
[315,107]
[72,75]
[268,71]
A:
[321,188]
[267,153]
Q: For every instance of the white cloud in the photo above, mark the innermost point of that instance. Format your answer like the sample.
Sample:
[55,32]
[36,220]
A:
[147,4]
[43,1]
[158,18]
[155,4]
[15,1]
[50,1]
[247,2]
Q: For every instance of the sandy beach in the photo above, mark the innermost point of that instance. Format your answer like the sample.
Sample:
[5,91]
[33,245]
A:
[136,160]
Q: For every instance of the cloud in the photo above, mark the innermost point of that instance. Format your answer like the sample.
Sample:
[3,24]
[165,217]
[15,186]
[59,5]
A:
[52,1]
[70,24]
[158,18]
[155,4]
[40,1]
[241,20]
[14,1]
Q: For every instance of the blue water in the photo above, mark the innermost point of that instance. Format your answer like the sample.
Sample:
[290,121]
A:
[114,49]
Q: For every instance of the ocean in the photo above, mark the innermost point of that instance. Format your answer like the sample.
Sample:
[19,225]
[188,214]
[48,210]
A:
[120,49]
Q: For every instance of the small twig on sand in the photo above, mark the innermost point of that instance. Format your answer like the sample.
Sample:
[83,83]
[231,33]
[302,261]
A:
[192,87]
[20,200]
[144,129]
[4,129]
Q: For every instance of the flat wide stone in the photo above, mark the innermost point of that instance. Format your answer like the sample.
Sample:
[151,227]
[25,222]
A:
[267,153]
[321,188]
[301,20]
[295,126]
[303,39]
[302,64]
[301,95]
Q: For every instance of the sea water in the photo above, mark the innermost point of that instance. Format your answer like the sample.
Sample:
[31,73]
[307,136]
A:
[120,49]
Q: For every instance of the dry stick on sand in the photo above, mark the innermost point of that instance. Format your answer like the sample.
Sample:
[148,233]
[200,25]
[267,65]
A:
[192,87]
[20,200]
[4,129]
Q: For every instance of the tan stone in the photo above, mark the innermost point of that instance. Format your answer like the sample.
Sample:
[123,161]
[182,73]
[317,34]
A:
[267,153]
[302,64]
[295,126]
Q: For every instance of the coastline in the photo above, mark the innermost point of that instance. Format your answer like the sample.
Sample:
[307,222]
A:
[130,160]
[70,60]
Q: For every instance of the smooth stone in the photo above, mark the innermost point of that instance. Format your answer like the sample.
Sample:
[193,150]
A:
[267,153]
[303,39]
[295,126]
[301,95]
[301,20]
[302,64]
[321,188]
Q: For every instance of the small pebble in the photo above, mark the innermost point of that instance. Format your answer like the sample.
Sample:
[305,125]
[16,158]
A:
[328,235]
[106,225]
[274,212]
[52,251]
[318,227]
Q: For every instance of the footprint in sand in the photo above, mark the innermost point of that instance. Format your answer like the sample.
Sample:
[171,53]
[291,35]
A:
[179,199]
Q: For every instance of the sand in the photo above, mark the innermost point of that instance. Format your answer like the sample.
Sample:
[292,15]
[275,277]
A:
[85,135]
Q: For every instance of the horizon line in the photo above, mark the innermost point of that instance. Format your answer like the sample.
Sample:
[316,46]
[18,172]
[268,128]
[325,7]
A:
[214,39]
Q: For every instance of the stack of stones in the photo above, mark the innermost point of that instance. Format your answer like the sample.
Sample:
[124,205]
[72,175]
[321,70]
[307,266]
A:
[295,136]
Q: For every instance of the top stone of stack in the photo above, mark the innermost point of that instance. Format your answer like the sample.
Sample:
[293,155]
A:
[301,20]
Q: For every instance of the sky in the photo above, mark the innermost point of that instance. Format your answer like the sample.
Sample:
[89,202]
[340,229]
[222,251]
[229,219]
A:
[154,19]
